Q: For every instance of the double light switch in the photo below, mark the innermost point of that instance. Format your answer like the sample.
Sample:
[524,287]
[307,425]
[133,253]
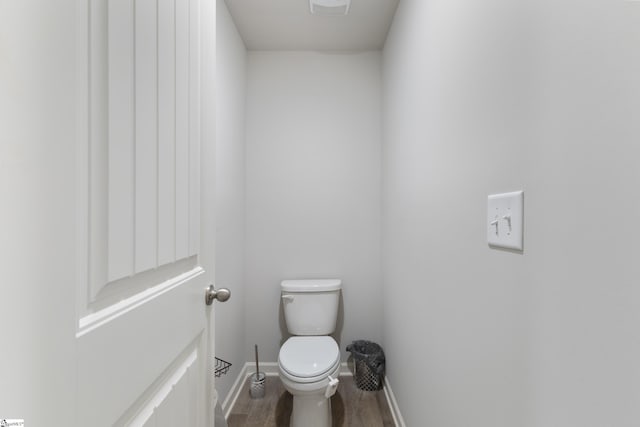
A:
[505,215]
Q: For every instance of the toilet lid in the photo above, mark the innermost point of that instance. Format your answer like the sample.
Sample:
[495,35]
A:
[307,357]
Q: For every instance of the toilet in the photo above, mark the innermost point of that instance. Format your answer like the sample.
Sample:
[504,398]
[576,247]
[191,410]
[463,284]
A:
[309,361]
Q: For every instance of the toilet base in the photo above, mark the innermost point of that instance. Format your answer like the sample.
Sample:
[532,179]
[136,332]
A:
[311,411]
[310,406]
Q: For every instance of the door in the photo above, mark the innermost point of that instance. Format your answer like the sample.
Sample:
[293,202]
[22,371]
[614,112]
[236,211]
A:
[145,222]
[106,222]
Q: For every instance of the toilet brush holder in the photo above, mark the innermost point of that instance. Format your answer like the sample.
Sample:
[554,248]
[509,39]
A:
[257,387]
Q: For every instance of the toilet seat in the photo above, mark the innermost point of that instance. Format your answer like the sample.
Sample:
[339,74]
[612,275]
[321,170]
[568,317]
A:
[308,359]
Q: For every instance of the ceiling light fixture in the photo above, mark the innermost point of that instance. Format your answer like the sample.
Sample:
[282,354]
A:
[329,7]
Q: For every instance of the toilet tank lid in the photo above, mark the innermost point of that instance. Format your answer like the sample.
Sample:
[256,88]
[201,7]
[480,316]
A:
[311,285]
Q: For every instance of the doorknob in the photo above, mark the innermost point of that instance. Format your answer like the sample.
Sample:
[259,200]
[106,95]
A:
[221,294]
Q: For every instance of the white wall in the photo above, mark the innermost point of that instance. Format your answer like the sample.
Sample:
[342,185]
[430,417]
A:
[37,211]
[230,116]
[493,96]
[313,187]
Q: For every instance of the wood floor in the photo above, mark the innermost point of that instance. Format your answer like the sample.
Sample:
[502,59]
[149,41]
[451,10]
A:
[350,407]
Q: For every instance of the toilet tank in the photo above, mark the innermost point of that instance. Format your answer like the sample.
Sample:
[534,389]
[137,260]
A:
[311,306]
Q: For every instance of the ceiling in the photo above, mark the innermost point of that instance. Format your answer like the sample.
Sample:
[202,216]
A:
[288,25]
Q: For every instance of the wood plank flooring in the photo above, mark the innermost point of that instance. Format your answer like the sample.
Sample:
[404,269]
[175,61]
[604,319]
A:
[350,407]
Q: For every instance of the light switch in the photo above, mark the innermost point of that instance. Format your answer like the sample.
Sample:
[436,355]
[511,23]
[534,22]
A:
[505,217]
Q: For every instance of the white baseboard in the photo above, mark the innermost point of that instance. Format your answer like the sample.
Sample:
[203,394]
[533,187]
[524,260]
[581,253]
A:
[271,370]
[393,404]
[234,393]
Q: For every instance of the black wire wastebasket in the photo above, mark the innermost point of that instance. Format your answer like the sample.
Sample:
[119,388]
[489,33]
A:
[369,364]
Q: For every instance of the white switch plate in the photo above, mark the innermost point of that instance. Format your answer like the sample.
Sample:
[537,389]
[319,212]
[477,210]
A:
[501,232]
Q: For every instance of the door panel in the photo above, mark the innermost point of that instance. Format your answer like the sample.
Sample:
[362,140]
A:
[146,213]
[152,168]
[119,140]
[122,357]
[143,330]
[167,113]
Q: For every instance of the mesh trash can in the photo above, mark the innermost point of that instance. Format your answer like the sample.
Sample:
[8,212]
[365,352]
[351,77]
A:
[369,363]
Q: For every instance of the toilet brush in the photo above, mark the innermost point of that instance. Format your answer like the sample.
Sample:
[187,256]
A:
[257,380]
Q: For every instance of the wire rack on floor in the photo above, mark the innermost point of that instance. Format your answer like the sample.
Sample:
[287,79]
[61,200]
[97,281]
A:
[222,367]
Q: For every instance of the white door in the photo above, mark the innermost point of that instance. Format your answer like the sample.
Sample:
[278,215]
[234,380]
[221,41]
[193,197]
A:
[143,332]
[126,233]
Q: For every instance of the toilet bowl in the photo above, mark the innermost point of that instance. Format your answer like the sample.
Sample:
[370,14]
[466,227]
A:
[309,369]
[309,361]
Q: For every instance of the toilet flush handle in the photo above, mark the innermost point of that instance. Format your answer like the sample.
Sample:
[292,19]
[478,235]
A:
[287,298]
[331,387]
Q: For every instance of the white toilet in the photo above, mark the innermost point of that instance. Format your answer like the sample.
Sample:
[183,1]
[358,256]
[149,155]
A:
[309,362]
